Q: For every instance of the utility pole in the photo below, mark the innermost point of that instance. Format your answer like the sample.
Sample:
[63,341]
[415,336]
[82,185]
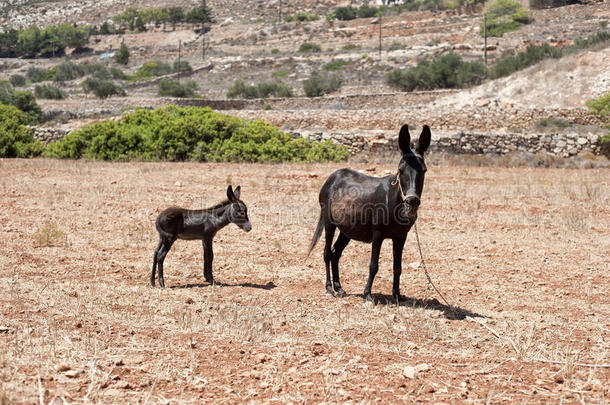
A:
[179,51]
[380,35]
[485,34]
[280,11]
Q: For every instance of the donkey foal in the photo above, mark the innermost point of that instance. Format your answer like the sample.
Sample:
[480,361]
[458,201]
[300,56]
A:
[179,223]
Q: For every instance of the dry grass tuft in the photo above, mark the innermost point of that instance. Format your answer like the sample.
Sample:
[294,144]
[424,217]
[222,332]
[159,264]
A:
[50,235]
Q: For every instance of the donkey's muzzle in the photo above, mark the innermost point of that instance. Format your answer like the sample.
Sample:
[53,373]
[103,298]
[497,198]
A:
[246,226]
[412,201]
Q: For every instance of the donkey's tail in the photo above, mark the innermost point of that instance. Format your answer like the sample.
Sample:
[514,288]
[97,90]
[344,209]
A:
[316,235]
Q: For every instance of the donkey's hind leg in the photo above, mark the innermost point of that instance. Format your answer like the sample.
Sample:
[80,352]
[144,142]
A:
[340,244]
[154,266]
[166,245]
[329,234]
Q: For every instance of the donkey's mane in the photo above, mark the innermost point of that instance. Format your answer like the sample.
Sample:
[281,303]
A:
[217,206]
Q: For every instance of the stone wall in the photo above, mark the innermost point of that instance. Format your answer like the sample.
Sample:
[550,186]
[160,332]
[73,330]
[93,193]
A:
[561,145]
[47,134]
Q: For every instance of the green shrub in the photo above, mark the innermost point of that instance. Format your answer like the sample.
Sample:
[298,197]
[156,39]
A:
[334,65]
[23,100]
[102,88]
[308,47]
[173,88]
[261,90]
[301,17]
[97,70]
[366,11]
[152,68]
[350,47]
[118,74]
[446,72]
[345,13]
[318,84]
[551,122]
[36,74]
[68,71]
[279,74]
[49,92]
[122,57]
[15,138]
[504,16]
[192,133]
[600,106]
[17,80]
[532,55]
[275,50]
[183,66]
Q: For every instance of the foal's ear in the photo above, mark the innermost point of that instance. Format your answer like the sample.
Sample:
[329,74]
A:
[424,140]
[237,191]
[404,139]
[230,194]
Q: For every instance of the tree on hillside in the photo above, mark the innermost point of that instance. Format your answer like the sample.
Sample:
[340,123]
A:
[123,56]
[200,15]
[175,15]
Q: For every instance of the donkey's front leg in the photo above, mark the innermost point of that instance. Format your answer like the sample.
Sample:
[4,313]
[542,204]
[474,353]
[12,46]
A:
[208,257]
[397,246]
[374,265]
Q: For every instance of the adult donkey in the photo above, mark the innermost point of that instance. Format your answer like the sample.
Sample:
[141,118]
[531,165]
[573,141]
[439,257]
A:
[179,223]
[371,209]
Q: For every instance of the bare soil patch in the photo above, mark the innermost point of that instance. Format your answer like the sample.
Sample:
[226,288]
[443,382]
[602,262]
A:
[523,251]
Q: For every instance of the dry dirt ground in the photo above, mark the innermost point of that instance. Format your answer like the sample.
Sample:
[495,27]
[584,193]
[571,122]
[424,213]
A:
[521,253]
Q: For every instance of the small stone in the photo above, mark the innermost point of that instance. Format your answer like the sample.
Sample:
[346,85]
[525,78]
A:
[178,184]
[73,373]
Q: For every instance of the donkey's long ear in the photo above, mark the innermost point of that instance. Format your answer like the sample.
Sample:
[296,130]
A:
[404,139]
[237,191]
[424,140]
[230,194]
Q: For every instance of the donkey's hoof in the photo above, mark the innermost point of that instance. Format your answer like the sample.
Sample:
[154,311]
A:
[340,292]
[329,291]
[368,298]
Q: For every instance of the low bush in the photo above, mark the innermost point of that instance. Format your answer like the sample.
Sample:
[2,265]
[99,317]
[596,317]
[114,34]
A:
[532,55]
[183,66]
[553,122]
[308,47]
[17,80]
[446,72]
[173,88]
[191,133]
[36,74]
[49,92]
[261,90]
[150,69]
[600,106]
[102,88]
[319,84]
[66,71]
[334,65]
[15,138]
[301,17]
[118,74]
[97,70]
[504,16]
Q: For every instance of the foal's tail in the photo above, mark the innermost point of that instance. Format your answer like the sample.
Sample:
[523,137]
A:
[316,235]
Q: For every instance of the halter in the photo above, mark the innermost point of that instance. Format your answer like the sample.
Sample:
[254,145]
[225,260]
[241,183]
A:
[397,180]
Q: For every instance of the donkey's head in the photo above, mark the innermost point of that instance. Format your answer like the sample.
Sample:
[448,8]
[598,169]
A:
[412,168]
[238,212]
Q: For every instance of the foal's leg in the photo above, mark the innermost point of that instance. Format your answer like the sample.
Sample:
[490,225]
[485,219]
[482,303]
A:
[397,246]
[340,244]
[166,246]
[208,257]
[154,266]
[374,265]
[329,234]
